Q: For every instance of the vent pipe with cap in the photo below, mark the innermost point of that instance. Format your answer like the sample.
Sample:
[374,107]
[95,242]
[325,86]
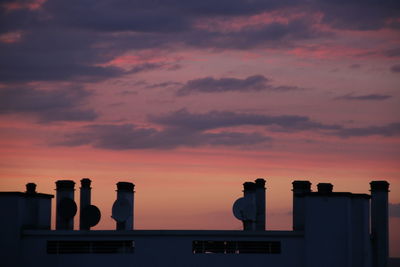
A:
[260,204]
[85,200]
[66,206]
[32,207]
[249,195]
[123,208]
[325,188]
[37,213]
[300,188]
[31,188]
[380,223]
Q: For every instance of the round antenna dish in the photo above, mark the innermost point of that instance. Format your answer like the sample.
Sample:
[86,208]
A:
[91,215]
[244,210]
[238,208]
[67,208]
[121,210]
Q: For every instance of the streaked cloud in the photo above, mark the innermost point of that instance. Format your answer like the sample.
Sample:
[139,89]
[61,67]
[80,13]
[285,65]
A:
[392,52]
[284,123]
[394,210]
[391,129]
[218,119]
[185,129]
[129,136]
[355,66]
[63,104]
[212,85]
[395,68]
[164,85]
[67,40]
[250,84]
[369,97]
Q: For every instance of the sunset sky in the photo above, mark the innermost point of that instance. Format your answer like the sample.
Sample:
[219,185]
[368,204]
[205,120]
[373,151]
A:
[189,99]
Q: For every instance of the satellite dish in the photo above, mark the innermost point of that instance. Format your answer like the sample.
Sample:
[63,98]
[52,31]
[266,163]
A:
[238,209]
[244,210]
[121,210]
[67,208]
[91,215]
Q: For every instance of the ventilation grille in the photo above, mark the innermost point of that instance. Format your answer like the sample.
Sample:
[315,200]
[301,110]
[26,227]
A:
[88,247]
[236,247]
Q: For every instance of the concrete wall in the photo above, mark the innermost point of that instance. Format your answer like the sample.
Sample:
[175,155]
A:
[326,231]
[44,214]
[162,248]
[10,225]
[360,237]
[20,211]
[337,230]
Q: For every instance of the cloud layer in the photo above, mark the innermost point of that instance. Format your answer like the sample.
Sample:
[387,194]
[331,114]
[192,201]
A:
[129,136]
[182,128]
[59,40]
[394,210]
[250,84]
[370,97]
[219,119]
[64,104]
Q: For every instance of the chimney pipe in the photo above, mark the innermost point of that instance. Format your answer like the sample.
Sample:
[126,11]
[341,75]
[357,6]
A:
[380,223]
[84,201]
[65,195]
[32,207]
[300,188]
[125,190]
[249,194]
[325,188]
[31,188]
[260,204]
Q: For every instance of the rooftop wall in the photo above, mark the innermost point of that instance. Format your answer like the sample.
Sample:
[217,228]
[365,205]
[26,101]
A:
[337,230]
[162,248]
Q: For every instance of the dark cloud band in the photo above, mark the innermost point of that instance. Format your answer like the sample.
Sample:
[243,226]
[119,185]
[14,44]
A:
[370,97]
[66,40]
[182,128]
[129,136]
[63,104]
[211,85]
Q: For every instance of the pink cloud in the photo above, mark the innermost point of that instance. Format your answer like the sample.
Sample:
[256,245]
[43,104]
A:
[32,5]
[11,37]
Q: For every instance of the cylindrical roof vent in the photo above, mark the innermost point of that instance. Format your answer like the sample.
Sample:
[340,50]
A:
[325,188]
[31,188]
[66,207]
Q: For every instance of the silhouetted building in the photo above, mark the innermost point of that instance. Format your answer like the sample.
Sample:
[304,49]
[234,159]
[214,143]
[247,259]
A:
[329,229]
